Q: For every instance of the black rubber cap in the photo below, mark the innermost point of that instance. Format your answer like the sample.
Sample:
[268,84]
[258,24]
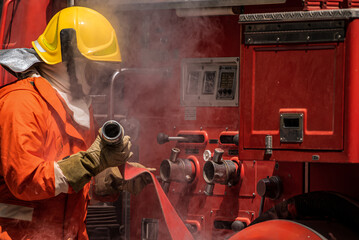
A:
[162,138]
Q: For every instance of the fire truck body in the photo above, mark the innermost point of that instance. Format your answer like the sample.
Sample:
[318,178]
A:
[240,105]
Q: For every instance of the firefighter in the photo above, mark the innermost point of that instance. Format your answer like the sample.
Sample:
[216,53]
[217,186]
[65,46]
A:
[50,147]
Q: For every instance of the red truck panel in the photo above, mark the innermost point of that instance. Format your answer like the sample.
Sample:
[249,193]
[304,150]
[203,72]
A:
[293,79]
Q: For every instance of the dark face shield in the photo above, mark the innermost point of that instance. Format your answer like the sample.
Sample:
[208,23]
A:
[97,75]
[98,72]
[84,74]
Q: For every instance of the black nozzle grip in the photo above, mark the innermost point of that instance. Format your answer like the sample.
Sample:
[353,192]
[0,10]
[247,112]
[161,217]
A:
[162,138]
[236,139]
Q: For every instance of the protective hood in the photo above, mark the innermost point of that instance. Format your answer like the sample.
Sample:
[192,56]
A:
[58,77]
[19,61]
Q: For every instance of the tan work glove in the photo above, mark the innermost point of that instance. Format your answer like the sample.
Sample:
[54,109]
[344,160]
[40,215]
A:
[80,167]
[111,182]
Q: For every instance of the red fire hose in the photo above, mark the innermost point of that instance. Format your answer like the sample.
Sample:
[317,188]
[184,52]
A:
[174,223]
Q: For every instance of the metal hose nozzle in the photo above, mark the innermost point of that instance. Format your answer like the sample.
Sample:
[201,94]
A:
[112,132]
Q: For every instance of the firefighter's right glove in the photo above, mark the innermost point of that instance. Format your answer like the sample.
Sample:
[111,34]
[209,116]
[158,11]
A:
[80,167]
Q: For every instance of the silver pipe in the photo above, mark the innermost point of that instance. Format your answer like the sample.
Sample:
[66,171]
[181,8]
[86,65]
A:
[177,139]
[268,145]
[70,3]
[223,173]
[209,189]
[306,177]
[111,111]
[182,170]
[117,74]
[112,132]
[174,154]
[217,156]
[141,70]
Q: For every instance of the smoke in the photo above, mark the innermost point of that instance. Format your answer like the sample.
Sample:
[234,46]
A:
[147,37]
[153,44]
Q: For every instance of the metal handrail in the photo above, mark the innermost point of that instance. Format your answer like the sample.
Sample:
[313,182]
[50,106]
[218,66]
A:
[120,72]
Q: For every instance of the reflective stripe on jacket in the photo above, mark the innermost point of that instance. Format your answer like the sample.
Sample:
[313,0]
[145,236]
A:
[36,131]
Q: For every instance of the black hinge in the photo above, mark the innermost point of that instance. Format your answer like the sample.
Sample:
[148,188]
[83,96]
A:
[294,32]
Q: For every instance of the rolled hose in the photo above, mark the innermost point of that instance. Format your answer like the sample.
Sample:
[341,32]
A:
[316,205]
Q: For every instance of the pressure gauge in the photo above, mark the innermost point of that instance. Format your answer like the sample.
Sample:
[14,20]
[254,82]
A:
[207,155]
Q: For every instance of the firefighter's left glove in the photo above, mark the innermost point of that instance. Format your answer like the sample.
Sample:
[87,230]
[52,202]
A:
[110,181]
[80,167]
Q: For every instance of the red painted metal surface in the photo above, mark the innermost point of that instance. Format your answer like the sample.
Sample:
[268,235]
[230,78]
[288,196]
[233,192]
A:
[294,78]
[198,170]
[3,21]
[319,80]
[352,98]
[324,4]
[22,22]
[4,75]
[158,110]
[156,106]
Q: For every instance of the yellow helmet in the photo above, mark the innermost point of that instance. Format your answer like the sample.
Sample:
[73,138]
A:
[95,36]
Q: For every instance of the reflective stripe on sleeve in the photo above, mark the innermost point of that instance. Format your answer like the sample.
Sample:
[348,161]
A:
[61,185]
[16,212]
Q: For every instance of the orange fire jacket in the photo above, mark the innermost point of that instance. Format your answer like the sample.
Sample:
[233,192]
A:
[36,131]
